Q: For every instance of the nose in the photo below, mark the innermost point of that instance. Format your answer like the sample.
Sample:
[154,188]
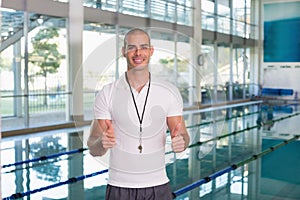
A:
[138,51]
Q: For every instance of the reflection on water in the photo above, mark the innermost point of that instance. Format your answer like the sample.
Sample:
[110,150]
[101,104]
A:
[48,171]
[274,175]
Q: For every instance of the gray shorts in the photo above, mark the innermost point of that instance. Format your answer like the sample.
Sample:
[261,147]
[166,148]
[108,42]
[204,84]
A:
[161,192]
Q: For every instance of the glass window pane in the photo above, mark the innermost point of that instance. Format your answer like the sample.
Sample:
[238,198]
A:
[238,11]
[208,15]
[47,69]
[223,16]
[137,8]
[223,71]
[99,61]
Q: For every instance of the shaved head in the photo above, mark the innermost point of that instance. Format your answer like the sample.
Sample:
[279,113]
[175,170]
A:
[135,31]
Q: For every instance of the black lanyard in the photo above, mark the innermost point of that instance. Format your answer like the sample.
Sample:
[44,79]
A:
[136,108]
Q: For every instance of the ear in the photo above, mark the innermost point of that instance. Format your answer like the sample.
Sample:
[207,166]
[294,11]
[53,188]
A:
[151,50]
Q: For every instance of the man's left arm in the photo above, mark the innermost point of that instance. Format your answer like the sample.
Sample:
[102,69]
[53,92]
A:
[179,134]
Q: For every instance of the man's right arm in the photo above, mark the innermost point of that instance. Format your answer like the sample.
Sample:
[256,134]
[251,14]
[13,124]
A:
[101,137]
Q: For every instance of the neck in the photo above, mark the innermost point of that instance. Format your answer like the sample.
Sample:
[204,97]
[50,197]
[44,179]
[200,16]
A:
[138,79]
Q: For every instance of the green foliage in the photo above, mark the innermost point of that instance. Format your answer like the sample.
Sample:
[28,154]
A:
[45,54]
[182,65]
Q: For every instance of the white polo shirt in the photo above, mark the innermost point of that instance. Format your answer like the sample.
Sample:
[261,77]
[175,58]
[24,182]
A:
[127,166]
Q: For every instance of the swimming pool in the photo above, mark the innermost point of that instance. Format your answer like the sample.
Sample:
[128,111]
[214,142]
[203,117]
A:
[239,152]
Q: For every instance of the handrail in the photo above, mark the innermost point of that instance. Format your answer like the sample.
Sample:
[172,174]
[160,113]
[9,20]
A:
[36,94]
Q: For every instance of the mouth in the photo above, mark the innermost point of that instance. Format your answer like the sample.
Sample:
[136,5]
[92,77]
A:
[138,60]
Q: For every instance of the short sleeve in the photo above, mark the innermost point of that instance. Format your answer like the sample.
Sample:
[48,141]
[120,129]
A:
[102,103]
[176,103]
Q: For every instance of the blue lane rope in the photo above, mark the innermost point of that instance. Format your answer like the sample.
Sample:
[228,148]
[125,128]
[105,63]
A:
[192,145]
[175,193]
[199,143]
[33,165]
[69,181]
[202,181]
[45,157]
[42,158]
[232,167]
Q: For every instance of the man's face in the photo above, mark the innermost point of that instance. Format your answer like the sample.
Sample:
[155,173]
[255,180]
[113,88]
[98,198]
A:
[137,50]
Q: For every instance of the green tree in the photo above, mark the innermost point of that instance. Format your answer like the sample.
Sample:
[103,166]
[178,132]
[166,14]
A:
[45,55]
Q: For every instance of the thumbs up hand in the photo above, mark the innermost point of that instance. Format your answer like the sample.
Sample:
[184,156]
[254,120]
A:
[108,136]
[178,143]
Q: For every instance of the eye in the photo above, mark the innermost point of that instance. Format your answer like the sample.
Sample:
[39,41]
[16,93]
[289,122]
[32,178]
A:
[131,48]
[144,47]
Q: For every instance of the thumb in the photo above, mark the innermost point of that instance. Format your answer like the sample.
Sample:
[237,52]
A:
[109,125]
[176,130]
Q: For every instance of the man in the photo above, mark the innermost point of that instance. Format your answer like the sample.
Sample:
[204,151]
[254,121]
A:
[132,115]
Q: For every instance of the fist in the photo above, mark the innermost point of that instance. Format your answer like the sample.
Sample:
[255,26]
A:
[108,136]
[178,143]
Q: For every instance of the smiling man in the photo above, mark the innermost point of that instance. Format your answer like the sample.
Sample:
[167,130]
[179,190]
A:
[132,116]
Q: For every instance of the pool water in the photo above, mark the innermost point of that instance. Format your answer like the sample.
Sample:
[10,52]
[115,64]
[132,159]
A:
[260,141]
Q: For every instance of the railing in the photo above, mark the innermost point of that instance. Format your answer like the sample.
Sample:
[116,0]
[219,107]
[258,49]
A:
[219,93]
[172,11]
[238,27]
[38,102]
[49,108]
[164,10]
[43,109]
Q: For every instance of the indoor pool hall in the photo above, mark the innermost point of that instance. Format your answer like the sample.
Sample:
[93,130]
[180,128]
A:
[150,99]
